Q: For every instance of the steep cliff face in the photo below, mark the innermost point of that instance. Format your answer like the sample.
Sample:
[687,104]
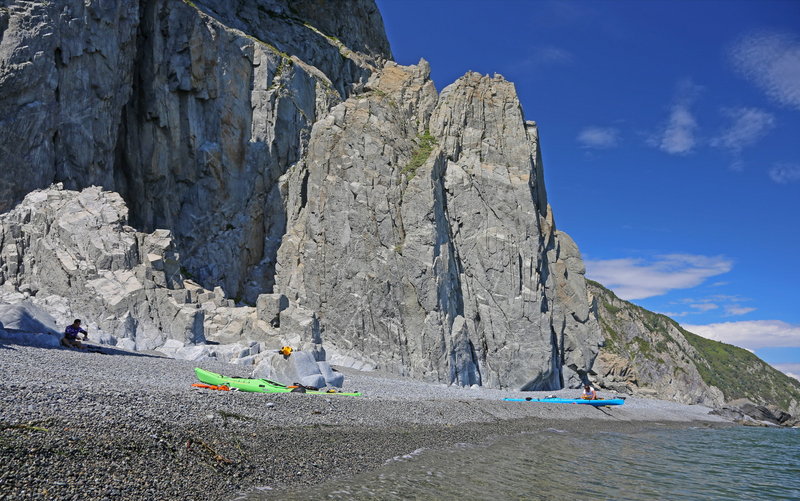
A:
[65,74]
[187,109]
[285,155]
[422,221]
[650,354]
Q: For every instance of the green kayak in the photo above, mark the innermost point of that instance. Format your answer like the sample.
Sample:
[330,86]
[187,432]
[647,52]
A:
[254,385]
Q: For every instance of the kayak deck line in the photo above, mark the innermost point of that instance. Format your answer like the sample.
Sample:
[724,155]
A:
[595,403]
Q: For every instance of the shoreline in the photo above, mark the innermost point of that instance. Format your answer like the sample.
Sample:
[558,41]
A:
[130,426]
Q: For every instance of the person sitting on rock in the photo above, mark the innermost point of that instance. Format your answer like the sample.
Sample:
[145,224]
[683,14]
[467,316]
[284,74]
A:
[70,339]
[589,393]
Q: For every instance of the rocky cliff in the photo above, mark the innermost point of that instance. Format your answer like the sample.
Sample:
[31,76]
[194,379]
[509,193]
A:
[190,110]
[645,353]
[275,147]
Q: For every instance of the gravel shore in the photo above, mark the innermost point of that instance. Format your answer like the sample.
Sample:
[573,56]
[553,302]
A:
[122,425]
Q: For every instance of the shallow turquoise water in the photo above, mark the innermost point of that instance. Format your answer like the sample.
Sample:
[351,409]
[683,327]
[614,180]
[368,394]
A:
[693,464]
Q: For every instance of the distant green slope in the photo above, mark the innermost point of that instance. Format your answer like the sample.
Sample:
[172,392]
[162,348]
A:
[741,374]
[737,372]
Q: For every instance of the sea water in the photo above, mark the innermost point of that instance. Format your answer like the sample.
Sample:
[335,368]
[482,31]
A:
[676,464]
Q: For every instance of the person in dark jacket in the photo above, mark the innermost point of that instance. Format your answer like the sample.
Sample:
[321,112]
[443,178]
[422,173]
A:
[70,339]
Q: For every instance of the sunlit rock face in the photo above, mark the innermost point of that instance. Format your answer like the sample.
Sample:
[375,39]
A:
[276,148]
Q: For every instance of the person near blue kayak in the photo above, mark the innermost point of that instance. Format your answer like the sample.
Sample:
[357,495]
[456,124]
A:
[589,393]
[70,339]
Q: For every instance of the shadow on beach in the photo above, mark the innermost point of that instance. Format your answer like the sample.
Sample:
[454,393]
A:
[8,344]
[27,324]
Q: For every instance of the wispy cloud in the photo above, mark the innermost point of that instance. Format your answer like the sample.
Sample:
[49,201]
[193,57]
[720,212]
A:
[747,127]
[550,54]
[632,278]
[674,314]
[791,370]
[545,55]
[771,60]
[784,173]
[599,137]
[751,334]
[704,306]
[729,304]
[735,310]
[677,136]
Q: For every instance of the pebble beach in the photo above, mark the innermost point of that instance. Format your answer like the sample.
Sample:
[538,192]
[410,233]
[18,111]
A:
[127,425]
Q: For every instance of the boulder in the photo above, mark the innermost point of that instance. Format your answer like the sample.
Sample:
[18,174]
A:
[269,307]
[332,378]
[25,323]
[300,367]
[27,317]
[759,412]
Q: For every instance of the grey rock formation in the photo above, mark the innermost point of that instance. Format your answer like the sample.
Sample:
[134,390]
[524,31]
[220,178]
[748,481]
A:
[273,146]
[78,248]
[74,255]
[270,306]
[745,410]
[190,110]
[66,71]
[439,261]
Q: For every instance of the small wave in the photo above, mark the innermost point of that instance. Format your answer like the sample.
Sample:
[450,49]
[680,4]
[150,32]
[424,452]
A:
[405,457]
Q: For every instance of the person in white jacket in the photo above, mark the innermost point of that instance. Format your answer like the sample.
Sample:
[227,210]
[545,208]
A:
[589,393]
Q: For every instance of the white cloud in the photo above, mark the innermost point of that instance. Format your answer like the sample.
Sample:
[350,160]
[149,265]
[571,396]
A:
[546,55]
[598,137]
[785,173]
[748,125]
[715,298]
[791,370]
[550,54]
[735,310]
[704,306]
[677,137]
[751,334]
[730,304]
[674,314]
[771,61]
[633,278]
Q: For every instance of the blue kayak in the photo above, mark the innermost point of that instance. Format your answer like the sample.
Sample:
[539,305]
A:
[596,403]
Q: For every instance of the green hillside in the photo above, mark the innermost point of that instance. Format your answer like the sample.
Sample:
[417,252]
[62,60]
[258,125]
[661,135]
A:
[741,374]
[737,372]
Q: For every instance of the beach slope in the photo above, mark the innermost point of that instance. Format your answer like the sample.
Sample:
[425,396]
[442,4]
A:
[130,425]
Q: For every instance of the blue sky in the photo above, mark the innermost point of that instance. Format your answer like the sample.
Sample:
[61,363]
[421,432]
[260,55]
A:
[671,142]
